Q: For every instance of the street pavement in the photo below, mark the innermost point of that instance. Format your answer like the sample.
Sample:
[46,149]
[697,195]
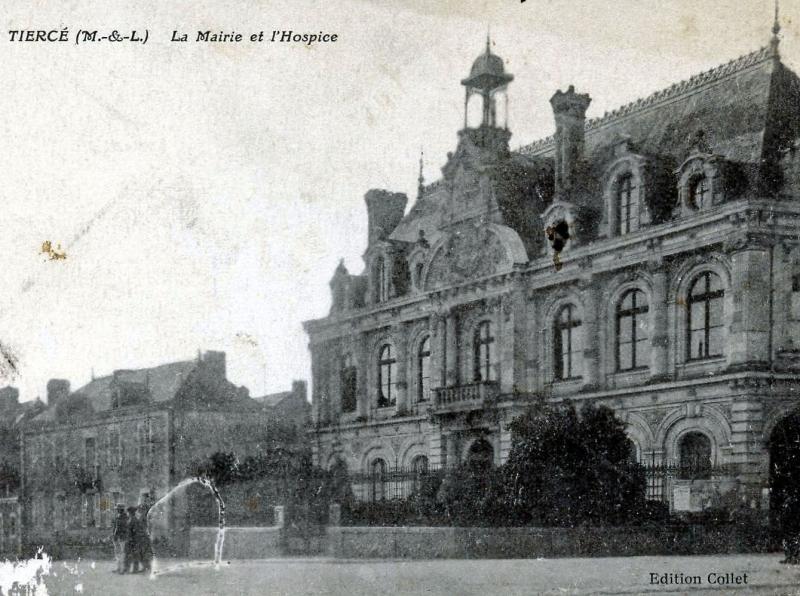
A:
[722,574]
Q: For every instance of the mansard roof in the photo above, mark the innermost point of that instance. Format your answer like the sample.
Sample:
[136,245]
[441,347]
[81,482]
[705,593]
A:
[747,108]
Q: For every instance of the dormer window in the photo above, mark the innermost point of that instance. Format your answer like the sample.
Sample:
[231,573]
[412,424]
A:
[627,205]
[699,192]
[381,273]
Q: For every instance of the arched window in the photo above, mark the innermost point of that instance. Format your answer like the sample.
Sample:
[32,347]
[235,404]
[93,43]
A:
[481,454]
[348,383]
[633,347]
[567,344]
[705,320]
[387,377]
[424,369]
[381,280]
[418,275]
[484,368]
[627,206]
[695,455]
[378,480]
[699,194]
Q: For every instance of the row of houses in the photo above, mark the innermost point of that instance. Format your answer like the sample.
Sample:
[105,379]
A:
[127,439]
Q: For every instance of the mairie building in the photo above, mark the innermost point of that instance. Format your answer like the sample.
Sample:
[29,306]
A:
[647,260]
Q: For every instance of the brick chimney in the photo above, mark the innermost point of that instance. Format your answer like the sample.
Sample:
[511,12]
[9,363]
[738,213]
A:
[214,363]
[384,211]
[56,389]
[9,398]
[569,109]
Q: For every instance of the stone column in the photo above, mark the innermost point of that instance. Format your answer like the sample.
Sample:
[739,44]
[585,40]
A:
[400,338]
[748,337]
[519,346]
[451,349]
[747,450]
[452,444]
[315,382]
[659,337]
[362,377]
[591,346]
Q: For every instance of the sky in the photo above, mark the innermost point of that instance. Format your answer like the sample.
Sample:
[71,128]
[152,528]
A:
[204,193]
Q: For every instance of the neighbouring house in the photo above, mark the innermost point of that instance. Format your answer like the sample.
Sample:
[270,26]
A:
[129,438]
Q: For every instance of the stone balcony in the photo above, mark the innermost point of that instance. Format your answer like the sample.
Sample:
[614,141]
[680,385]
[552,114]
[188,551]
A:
[472,396]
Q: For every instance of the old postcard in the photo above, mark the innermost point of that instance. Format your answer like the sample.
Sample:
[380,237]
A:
[400,296]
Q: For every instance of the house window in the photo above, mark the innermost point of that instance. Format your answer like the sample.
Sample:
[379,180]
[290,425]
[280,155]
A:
[89,455]
[114,451]
[796,297]
[378,480]
[568,344]
[418,275]
[705,317]
[699,192]
[633,349]
[424,369]
[483,343]
[144,444]
[627,206]
[695,455]
[387,377]
[349,378]
[381,280]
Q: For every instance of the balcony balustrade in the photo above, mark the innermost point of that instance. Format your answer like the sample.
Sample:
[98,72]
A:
[466,397]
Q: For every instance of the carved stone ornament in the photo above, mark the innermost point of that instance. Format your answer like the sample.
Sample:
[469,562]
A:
[470,251]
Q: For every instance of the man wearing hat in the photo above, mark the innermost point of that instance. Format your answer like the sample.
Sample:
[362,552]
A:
[120,537]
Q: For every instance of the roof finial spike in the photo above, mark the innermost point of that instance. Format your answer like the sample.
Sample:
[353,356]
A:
[489,38]
[776,28]
[421,177]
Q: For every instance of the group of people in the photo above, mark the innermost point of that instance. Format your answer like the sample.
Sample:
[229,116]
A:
[132,548]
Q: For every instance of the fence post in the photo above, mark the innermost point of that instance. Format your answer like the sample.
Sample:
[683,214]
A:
[335,514]
[279,516]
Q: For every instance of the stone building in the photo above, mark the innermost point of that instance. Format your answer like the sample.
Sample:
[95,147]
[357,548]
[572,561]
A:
[128,438]
[13,415]
[647,260]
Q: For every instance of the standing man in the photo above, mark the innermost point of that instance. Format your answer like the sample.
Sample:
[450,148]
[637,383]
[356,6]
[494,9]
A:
[120,537]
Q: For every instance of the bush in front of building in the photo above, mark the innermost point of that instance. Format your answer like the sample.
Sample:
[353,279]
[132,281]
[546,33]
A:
[565,470]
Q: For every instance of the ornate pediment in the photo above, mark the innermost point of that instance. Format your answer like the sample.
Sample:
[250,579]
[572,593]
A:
[471,251]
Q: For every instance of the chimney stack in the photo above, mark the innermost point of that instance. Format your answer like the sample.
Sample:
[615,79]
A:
[569,110]
[214,362]
[56,389]
[384,211]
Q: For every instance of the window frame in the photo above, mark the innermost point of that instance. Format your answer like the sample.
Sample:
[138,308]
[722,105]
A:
[626,189]
[387,367]
[635,313]
[572,325]
[707,300]
[484,367]
[349,384]
[424,369]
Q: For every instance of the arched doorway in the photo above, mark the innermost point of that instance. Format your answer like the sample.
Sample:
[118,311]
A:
[481,453]
[784,476]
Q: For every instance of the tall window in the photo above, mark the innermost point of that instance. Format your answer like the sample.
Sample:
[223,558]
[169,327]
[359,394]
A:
[378,480]
[349,376]
[114,452]
[627,207]
[381,280]
[89,453]
[568,344]
[387,377]
[633,349]
[144,445]
[424,369]
[695,455]
[705,317]
[483,342]
[699,194]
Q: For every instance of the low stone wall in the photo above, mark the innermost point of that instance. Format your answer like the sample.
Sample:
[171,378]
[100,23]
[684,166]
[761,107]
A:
[240,543]
[467,543]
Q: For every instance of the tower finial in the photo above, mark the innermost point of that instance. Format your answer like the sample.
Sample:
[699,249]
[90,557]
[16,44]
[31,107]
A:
[421,177]
[776,27]
[488,39]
